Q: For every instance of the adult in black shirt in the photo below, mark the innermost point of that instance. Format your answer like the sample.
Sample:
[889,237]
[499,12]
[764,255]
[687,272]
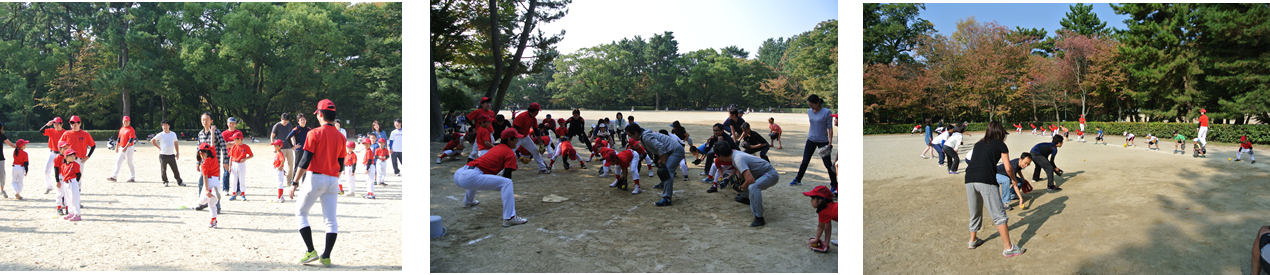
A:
[500,123]
[280,131]
[719,134]
[576,124]
[754,142]
[982,188]
[299,133]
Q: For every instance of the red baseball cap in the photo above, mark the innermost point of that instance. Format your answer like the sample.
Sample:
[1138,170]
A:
[560,120]
[125,118]
[350,144]
[819,191]
[237,136]
[61,144]
[382,140]
[74,118]
[57,120]
[325,104]
[277,142]
[485,99]
[205,146]
[534,106]
[1203,111]
[21,142]
[68,152]
[510,133]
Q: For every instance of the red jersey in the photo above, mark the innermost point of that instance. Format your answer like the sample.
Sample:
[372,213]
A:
[525,123]
[623,158]
[1033,125]
[475,113]
[278,159]
[601,142]
[239,152]
[1203,120]
[228,135]
[370,156]
[497,159]
[68,170]
[483,136]
[210,168]
[54,135]
[126,135]
[777,128]
[1244,145]
[79,140]
[456,140]
[639,148]
[350,159]
[566,149]
[327,145]
[829,213]
[20,158]
[562,131]
[383,153]
[1082,120]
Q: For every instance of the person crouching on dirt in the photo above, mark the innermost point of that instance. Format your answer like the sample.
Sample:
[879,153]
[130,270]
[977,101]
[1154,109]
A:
[668,151]
[1043,154]
[484,174]
[1181,142]
[1153,141]
[625,165]
[1245,146]
[567,152]
[757,173]
[1008,190]
[826,211]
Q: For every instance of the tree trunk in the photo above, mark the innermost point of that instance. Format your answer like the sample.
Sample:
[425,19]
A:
[437,132]
[497,104]
[515,67]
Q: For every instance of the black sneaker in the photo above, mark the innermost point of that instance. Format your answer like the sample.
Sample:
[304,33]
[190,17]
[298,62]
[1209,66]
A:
[663,202]
[696,162]
[658,186]
[758,221]
[1054,188]
[180,184]
[712,189]
[200,207]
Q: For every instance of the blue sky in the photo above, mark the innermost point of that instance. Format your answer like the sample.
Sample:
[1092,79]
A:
[1039,15]
[696,24]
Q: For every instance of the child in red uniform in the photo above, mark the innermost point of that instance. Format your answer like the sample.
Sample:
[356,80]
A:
[21,164]
[775,133]
[625,166]
[350,165]
[278,159]
[567,152]
[455,146]
[1244,146]
[381,157]
[826,210]
[60,199]
[69,179]
[239,153]
[369,161]
[211,173]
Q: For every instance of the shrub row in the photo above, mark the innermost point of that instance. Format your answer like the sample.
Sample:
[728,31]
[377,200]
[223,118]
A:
[1228,133]
[102,135]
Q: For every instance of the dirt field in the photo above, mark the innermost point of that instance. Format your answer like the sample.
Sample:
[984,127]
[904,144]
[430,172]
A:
[602,229]
[1121,211]
[139,226]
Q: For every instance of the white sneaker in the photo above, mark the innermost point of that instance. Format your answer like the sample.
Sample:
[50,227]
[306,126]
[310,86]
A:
[651,173]
[614,184]
[514,221]
[438,161]
[636,190]
[474,203]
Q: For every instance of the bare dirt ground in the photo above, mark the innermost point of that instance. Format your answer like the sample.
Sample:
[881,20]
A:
[139,226]
[602,229]
[1121,211]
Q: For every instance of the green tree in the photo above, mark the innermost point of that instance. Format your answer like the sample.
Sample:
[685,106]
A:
[1233,57]
[891,31]
[1082,20]
[816,60]
[1160,56]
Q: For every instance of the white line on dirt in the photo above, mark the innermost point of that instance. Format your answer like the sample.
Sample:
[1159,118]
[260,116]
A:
[477,240]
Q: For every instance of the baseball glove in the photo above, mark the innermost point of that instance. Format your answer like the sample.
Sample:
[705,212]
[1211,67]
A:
[662,173]
[524,160]
[1025,187]
[817,245]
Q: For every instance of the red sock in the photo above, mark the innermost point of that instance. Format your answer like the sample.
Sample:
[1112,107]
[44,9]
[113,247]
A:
[279,193]
[636,183]
[341,188]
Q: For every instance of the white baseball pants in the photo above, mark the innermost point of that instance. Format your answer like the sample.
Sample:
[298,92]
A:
[634,167]
[472,179]
[238,178]
[528,144]
[371,173]
[209,189]
[19,174]
[382,164]
[72,198]
[319,186]
[350,179]
[49,178]
[1238,154]
[125,153]
[1203,136]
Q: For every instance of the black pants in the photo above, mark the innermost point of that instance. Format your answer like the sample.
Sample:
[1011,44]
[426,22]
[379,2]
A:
[583,137]
[396,158]
[762,152]
[808,150]
[164,162]
[1043,163]
[951,157]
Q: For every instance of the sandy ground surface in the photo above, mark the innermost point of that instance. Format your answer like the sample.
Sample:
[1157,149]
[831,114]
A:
[139,226]
[1121,211]
[602,229]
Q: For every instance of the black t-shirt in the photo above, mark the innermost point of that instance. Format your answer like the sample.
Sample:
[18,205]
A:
[982,167]
[575,124]
[499,126]
[754,139]
[3,137]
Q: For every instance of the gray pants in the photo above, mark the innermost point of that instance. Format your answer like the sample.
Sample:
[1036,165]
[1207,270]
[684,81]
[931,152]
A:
[766,180]
[672,164]
[978,195]
[1043,163]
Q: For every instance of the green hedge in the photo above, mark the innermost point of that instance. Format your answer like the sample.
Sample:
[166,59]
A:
[103,135]
[1257,133]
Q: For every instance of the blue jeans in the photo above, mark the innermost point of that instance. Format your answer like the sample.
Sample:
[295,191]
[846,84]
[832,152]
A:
[1007,193]
[672,164]
[940,148]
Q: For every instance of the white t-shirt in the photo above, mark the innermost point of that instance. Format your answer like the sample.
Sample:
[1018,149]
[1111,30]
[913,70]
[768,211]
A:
[939,140]
[395,137]
[166,142]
